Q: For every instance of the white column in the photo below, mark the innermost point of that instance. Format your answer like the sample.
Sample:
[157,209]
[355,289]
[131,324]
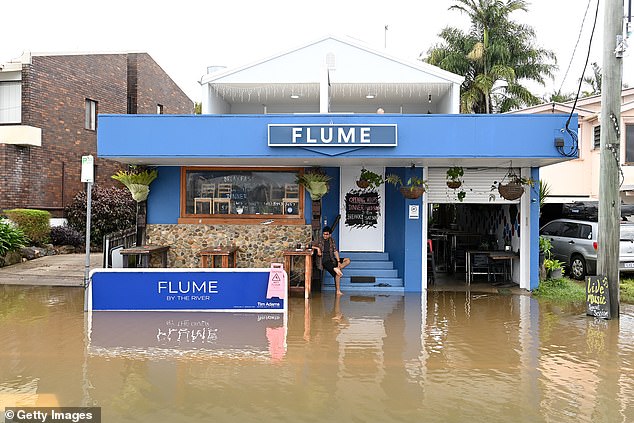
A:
[425,216]
[455,99]
[324,90]
[525,234]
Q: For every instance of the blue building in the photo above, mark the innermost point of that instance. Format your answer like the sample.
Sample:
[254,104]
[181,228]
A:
[229,176]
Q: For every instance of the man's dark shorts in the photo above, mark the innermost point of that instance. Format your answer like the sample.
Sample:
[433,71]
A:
[330,267]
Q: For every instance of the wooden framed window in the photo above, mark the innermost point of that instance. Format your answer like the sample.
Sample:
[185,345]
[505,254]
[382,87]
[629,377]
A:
[91,115]
[241,195]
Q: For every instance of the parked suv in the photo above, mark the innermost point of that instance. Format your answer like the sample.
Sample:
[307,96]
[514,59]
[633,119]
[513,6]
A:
[574,242]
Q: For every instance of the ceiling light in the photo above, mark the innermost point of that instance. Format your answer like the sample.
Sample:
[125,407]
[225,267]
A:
[294,96]
[370,96]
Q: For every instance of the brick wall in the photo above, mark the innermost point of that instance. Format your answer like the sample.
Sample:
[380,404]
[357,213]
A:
[54,91]
[154,87]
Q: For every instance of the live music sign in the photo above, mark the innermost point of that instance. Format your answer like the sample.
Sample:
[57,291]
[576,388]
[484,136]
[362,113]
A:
[369,135]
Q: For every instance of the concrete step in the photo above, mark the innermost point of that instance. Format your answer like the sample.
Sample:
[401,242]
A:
[377,273]
[380,285]
[346,281]
[365,256]
[370,265]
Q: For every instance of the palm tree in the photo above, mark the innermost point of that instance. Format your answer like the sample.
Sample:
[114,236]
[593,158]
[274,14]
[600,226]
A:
[593,80]
[495,57]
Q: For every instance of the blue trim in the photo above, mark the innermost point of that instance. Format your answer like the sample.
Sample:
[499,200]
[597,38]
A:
[534,228]
[395,222]
[176,137]
[412,274]
[164,201]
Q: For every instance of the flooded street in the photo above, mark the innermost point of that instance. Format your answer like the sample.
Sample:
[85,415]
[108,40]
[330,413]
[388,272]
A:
[442,357]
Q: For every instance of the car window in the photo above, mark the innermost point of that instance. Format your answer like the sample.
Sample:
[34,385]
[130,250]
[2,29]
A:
[570,230]
[552,228]
[627,232]
[585,231]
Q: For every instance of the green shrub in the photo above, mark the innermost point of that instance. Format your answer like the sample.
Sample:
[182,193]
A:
[34,223]
[65,235]
[11,237]
[113,209]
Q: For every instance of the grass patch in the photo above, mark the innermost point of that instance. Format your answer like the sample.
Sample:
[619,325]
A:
[561,290]
[571,290]
[627,291]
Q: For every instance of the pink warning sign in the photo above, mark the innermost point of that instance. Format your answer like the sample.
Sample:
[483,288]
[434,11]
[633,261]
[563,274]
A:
[277,282]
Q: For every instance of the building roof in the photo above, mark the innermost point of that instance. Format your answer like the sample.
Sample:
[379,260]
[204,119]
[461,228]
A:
[352,69]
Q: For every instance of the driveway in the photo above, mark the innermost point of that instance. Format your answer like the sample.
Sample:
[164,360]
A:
[58,270]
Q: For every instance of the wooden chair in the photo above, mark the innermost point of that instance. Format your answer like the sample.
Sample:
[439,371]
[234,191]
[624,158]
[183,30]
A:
[291,196]
[207,190]
[224,197]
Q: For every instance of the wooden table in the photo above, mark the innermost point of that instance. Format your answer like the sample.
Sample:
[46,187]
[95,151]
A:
[223,252]
[507,256]
[145,251]
[308,267]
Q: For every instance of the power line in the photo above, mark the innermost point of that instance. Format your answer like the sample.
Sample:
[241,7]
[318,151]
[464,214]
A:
[577,44]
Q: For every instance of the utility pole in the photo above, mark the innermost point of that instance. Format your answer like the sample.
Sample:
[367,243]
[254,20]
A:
[609,198]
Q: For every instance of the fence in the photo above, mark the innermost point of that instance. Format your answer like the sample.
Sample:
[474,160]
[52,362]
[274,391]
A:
[125,238]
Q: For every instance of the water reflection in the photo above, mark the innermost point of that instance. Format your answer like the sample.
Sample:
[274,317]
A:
[437,357]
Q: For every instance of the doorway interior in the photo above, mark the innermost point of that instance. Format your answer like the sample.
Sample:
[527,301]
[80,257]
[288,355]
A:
[473,245]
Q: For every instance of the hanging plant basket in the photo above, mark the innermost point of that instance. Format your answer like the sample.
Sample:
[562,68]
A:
[412,192]
[362,183]
[511,191]
[454,184]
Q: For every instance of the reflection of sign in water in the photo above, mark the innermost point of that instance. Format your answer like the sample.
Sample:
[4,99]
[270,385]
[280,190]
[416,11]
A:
[362,208]
[165,333]
[597,297]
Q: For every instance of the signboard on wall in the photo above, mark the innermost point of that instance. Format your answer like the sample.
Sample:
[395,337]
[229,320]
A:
[362,208]
[184,289]
[597,297]
[369,135]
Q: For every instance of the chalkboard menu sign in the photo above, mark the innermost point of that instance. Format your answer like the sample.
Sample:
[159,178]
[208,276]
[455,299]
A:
[597,297]
[362,208]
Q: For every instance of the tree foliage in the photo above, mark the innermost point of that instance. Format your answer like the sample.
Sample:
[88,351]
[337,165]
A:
[497,57]
[112,209]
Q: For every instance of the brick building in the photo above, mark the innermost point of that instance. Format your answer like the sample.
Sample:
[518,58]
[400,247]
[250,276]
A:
[48,119]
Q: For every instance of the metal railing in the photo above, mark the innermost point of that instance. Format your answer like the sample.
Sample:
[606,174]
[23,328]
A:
[125,238]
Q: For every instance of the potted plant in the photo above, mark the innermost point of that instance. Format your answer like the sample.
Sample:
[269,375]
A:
[369,179]
[315,182]
[138,182]
[412,189]
[554,268]
[453,177]
[511,187]
[544,250]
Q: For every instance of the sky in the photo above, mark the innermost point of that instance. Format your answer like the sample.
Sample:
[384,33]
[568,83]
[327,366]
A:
[187,36]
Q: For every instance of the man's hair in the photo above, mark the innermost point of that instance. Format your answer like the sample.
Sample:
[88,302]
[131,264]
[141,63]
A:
[326,229]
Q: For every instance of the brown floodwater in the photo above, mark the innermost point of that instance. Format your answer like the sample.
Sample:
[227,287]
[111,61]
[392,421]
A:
[439,357]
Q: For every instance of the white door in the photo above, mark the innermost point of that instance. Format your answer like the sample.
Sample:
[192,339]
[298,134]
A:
[362,224]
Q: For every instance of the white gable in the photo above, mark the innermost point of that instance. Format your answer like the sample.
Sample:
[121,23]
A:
[332,75]
[351,62]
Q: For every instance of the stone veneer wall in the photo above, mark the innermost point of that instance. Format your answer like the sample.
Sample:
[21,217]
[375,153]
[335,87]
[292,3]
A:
[260,245]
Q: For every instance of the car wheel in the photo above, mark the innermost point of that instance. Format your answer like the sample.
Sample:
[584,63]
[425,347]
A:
[578,268]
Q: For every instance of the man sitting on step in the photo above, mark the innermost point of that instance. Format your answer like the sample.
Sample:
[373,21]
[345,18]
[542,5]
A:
[330,259]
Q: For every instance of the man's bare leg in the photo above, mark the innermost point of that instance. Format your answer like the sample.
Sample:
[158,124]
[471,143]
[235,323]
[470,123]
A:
[338,281]
[344,263]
